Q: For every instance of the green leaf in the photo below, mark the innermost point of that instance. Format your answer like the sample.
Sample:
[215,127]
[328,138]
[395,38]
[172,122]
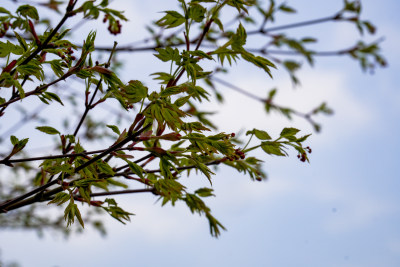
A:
[3,10]
[196,12]
[171,19]
[262,135]
[134,92]
[114,129]
[34,68]
[287,132]
[258,61]
[14,140]
[136,169]
[116,212]
[105,168]
[303,138]
[272,148]
[21,41]
[182,101]
[78,215]
[72,211]
[21,143]
[167,54]
[173,90]
[28,11]
[53,96]
[104,3]
[239,39]
[48,130]
[204,192]
[57,67]
[165,77]
[60,198]
[116,183]
[201,54]
[8,47]
[287,9]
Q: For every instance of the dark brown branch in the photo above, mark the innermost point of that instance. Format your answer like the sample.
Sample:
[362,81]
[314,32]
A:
[71,155]
[38,89]
[237,89]
[297,24]
[40,47]
[120,192]
[112,148]
[136,161]
[89,106]
[214,162]
[22,201]
[295,53]
[260,31]
[205,30]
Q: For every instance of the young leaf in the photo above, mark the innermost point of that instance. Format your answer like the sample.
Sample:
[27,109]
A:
[287,132]
[171,19]
[114,129]
[28,11]
[273,148]
[47,130]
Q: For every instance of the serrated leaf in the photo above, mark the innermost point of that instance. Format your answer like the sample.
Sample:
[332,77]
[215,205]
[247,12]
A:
[286,132]
[272,148]
[8,47]
[182,101]
[171,19]
[136,169]
[173,90]
[21,41]
[134,92]
[105,168]
[78,215]
[60,198]
[204,192]
[196,12]
[201,54]
[57,67]
[167,54]
[28,11]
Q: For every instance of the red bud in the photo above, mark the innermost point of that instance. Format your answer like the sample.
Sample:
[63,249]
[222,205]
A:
[10,66]
[34,32]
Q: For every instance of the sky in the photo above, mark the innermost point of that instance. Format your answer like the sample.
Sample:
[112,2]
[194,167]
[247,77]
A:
[342,209]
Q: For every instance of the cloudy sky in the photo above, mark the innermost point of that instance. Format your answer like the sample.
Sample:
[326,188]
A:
[342,209]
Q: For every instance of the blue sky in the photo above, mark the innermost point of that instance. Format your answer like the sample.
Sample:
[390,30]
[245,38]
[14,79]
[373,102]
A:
[342,209]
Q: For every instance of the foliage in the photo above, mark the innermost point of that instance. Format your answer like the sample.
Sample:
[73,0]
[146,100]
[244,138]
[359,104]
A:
[168,134]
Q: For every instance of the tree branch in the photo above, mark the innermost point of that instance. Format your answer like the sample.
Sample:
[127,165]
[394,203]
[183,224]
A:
[20,202]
